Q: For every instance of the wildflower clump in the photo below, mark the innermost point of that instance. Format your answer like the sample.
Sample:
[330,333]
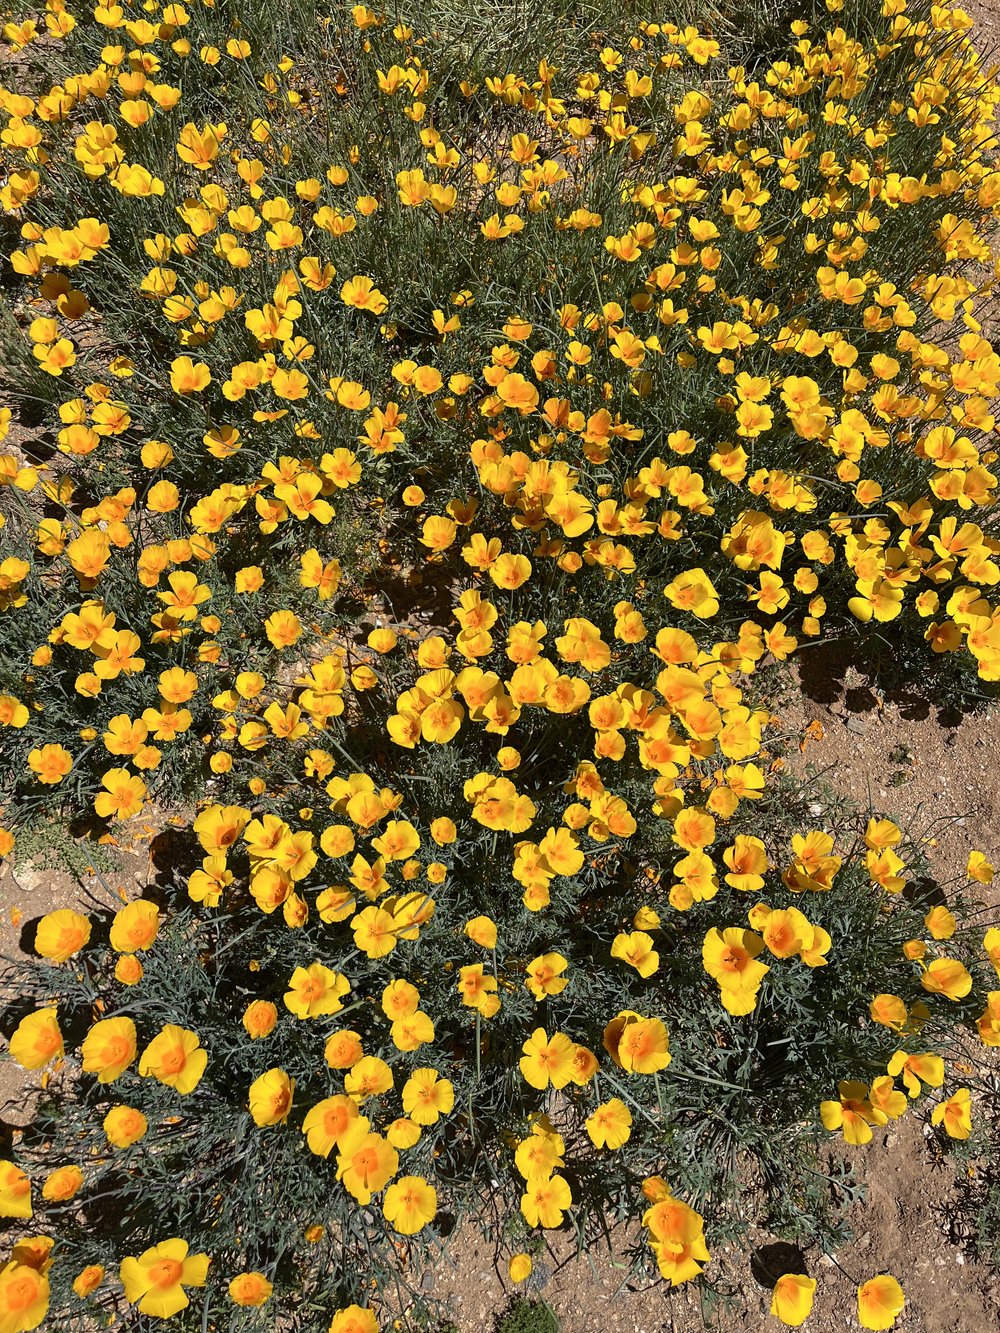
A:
[423,448]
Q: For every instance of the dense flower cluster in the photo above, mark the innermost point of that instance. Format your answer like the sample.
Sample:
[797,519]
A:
[437,446]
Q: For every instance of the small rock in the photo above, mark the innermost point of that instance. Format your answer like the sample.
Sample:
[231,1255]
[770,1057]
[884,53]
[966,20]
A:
[30,878]
[858,725]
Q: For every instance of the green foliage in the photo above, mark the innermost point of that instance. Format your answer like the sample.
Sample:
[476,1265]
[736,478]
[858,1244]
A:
[528,1317]
[49,846]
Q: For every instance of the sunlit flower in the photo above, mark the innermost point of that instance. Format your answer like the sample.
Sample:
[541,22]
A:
[366,1162]
[61,934]
[315,991]
[15,1191]
[410,1203]
[271,1097]
[792,1298]
[354,1319]
[610,1125]
[109,1048]
[955,1114]
[677,1239]
[175,1057]
[547,1059]
[880,1301]
[135,926]
[156,1281]
[24,1297]
[37,1039]
[250,1289]
[124,1125]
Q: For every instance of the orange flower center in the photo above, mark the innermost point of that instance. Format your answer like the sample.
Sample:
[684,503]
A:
[165,1273]
[638,1044]
[21,1293]
[173,1061]
[366,1162]
[335,1122]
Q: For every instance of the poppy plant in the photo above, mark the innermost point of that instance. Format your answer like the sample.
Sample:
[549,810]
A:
[24,1297]
[729,956]
[792,1298]
[315,991]
[15,1191]
[354,1319]
[175,1057]
[410,1203]
[156,1280]
[880,1302]
[62,934]
[271,1098]
[37,1039]
[109,1048]
[677,1239]
[365,1161]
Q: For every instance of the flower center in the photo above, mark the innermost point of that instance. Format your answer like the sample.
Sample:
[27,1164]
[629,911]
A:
[21,1293]
[165,1273]
[173,1061]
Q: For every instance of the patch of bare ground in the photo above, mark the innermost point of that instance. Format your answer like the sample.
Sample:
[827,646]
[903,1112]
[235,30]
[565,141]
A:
[27,893]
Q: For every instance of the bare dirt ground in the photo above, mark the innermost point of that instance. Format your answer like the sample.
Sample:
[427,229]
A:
[27,893]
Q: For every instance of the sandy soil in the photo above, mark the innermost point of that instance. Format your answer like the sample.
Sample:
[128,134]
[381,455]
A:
[26,894]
